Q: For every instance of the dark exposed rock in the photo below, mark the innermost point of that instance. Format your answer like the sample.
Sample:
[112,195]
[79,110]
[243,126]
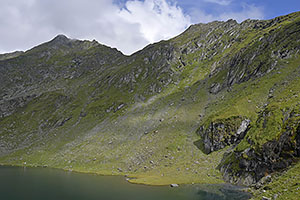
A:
[120,170]
[265,180]
[62,122]
[60,40]
[248,63]
[297,140]
[82,114]
[256,162]
[222,133]
[215,88]
[7,107]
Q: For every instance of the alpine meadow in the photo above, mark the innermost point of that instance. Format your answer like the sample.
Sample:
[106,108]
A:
[218,103]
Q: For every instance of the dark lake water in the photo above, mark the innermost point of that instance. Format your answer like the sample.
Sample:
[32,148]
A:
[17,183]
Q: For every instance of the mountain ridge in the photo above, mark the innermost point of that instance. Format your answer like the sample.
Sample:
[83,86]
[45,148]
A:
[82,106]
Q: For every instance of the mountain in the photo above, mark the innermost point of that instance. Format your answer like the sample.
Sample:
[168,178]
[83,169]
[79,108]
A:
[10,55]
[220,102]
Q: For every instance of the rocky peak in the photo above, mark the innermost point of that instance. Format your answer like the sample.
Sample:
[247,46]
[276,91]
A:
[60,39]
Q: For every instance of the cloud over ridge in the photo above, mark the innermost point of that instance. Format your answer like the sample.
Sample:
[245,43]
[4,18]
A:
[129,28]
[128,25]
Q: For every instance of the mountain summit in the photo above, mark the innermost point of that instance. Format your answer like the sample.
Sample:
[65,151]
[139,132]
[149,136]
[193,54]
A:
[220,102]
[60,39]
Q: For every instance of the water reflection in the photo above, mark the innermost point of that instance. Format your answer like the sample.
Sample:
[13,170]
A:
[221,192]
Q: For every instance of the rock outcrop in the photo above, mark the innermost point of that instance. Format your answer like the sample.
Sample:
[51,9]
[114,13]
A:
[221,133]
[256,159]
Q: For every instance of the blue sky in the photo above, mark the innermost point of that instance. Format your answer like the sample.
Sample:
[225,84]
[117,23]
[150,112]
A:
[128,25]
[271,8]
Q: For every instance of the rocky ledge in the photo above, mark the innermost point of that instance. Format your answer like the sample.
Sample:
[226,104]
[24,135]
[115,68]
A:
[221,133]
[252,161]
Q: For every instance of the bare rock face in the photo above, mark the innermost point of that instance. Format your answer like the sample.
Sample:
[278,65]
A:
[215,88]
[10,55]
[250,165]
[7,107]
[222,133]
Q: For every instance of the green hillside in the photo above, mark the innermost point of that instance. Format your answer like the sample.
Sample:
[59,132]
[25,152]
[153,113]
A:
[220,102]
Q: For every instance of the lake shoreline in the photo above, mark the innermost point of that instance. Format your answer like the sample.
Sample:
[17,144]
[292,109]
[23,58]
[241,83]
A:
[128,178]
[37,183]
[131,177]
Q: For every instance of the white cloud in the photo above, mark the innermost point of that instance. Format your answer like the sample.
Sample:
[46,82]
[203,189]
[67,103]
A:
[157,18]
[128,26]
[28,23]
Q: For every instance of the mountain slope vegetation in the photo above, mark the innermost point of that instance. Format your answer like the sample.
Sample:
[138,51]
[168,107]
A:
[220,102]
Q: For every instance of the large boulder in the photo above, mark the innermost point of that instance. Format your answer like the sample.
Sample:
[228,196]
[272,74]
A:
[221,133]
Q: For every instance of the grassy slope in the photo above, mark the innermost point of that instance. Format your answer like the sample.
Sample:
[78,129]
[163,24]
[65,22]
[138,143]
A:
[284,185]
[150,140]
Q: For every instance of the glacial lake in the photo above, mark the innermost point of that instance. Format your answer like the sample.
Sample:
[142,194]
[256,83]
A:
[18,183]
